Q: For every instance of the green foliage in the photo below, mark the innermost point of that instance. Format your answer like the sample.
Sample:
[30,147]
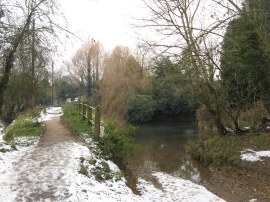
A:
[103,172]
[118,175]
[3,150]
[217,150]
[92,162]
[26,124]
[140,108]
[98,176]
[75,122]
[173,95]
[116,144]
[83,170]
[245,63]
[19,92]
[168,92]
[105,167]
[226,150]
[260,141]
[65,89]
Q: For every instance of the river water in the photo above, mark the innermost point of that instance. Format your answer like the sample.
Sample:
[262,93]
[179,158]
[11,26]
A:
[162,148]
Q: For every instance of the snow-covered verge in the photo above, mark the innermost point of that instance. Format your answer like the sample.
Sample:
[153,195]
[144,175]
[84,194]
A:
[252,156]
[20,142]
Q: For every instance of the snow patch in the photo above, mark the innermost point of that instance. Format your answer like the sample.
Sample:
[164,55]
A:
[174,189]
[50,113]
[1,132]
[252,156]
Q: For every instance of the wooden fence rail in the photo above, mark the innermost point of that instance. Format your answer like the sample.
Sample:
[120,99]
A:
[87,112]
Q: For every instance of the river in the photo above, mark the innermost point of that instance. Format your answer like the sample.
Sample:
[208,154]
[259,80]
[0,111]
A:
[162,148]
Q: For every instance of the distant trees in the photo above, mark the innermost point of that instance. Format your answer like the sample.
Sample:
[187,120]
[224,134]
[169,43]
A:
[167,93]
[65,88]
[86,69]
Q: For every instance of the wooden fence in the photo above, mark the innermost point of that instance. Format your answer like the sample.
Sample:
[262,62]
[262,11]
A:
[87,112]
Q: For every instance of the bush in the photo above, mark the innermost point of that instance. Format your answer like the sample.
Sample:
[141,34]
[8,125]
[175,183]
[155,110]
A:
[117,145]
[140,108]
[253,115]
[217,150]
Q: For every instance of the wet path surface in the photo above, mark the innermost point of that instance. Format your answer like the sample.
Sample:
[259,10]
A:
[55,133]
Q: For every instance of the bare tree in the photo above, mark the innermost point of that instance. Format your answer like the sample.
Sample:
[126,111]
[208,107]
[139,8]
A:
[85,67]
[191,31]
[120,80]
[15,25]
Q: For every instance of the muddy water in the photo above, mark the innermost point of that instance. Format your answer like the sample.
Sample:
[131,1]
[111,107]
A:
[163,149]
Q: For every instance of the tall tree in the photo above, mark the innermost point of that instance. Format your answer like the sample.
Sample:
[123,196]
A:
[15,23]
[120,80]
[245,66]
[187,36]
[86,67]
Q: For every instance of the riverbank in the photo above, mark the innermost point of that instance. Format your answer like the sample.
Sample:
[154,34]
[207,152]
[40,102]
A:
[231,159]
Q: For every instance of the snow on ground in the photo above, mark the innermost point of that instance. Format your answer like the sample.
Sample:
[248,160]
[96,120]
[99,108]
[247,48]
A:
[52,174]
[252,156]
[1,132]
[50,113]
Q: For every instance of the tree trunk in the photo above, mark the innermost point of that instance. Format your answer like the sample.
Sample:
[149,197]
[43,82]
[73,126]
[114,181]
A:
[221,128]
[9,59]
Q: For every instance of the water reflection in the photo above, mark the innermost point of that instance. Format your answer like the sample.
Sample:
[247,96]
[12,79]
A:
[163,149]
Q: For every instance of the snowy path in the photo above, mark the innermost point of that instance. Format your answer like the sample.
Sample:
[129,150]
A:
[49,173]
[39,173]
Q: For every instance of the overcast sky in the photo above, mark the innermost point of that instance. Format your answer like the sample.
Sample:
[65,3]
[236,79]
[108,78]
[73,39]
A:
[108,21]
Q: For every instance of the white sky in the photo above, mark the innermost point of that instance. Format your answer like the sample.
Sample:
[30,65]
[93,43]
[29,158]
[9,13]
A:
[110,22]
[107,21]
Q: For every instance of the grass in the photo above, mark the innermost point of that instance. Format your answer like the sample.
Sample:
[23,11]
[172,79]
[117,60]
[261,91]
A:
[104,172]
[260,141]
[225,150]
[98,176]
[75,122]
[105,167]
[83,170]
[25,125]
[118,175]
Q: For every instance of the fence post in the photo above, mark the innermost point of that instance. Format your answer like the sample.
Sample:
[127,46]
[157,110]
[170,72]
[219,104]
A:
[97,122]
[83,110]
[89,114]
[79,107]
